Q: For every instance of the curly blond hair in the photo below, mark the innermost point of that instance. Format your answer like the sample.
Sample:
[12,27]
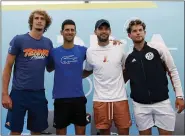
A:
[43,13]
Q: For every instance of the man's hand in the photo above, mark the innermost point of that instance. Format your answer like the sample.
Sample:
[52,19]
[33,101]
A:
[6,101]
[116,42]
[179,104]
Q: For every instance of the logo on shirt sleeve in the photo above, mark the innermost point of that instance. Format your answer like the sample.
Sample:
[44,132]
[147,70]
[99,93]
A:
[10,48]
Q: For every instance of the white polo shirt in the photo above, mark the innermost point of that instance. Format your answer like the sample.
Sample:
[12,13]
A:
[107,63]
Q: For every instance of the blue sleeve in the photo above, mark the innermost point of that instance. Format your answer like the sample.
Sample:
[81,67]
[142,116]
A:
[51,44]
[14,47]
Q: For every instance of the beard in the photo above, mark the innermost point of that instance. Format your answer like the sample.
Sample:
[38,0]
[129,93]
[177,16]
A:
[103,39]
[69,40]
[39,29]
[138,41]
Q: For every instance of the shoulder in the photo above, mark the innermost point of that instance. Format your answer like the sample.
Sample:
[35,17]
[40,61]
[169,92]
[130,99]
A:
[47,39]
[56,48]
[48,42]
[129,57]
[17,40]
[90,49]
[20,37]
[81,48]
[159,46]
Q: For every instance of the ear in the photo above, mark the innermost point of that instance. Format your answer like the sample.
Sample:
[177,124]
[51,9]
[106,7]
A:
[144,32]
[61,32]
[129,35]
[95,32]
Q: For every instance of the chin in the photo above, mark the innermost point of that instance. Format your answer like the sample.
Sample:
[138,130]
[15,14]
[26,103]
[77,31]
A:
[39,29]
[103,40]
[138,41]
[69,40]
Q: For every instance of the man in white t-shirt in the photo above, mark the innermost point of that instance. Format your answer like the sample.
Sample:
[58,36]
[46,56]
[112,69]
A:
[110,98]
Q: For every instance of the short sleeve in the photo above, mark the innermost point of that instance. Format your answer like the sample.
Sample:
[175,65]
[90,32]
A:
[88,63]
[14,47]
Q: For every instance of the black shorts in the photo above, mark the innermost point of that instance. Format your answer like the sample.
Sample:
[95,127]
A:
[69,110]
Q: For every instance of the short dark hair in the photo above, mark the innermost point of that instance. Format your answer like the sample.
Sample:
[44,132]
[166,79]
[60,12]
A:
[68,22]
[135,22]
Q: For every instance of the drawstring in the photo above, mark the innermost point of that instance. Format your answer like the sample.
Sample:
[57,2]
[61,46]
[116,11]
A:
[110,111]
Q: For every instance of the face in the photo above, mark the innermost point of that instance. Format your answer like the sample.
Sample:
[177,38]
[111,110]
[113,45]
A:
[137,34]
[39,22]
[69,33]
[103,33]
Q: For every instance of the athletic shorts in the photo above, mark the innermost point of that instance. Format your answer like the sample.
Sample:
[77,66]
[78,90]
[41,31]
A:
[32,102]
[160,114]
[69,110]
[106,112]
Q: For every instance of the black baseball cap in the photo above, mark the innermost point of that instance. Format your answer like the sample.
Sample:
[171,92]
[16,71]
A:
[101,22]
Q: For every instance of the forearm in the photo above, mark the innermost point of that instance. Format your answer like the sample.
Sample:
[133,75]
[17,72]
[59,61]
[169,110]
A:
[175,80]
[6,79]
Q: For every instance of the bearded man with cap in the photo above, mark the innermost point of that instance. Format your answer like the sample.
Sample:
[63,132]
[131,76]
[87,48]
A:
[106,62]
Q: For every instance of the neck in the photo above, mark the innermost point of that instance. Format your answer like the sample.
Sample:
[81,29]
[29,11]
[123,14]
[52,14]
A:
[68,45]
[35,34]
[139,46]
[103,43]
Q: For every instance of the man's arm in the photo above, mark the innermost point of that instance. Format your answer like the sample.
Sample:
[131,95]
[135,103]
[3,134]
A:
[125,76]
[173,74]
[50,67]
[88,66]
[50,64]
[87,73]
[171,69]
[6,100]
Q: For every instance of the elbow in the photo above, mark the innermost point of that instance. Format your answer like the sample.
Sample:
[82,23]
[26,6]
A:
[49,69]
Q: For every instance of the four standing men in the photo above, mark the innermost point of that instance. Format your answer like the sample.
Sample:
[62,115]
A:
[145,67]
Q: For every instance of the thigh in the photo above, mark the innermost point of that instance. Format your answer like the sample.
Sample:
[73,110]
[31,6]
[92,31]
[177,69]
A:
[15,116]
[143,116]
[79,112]
[102,117]
[37,111]
[121,114]
[165,116]
[62,114]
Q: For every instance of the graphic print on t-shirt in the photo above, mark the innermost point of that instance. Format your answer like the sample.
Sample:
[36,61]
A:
[36,53]
[69,59]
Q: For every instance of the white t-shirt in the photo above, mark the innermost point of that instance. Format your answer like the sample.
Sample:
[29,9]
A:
[107,63]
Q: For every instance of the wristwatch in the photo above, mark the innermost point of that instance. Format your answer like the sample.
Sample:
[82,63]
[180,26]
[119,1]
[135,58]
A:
[179,97]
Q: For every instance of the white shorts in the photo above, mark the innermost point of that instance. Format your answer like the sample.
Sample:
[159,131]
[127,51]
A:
[160,114]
